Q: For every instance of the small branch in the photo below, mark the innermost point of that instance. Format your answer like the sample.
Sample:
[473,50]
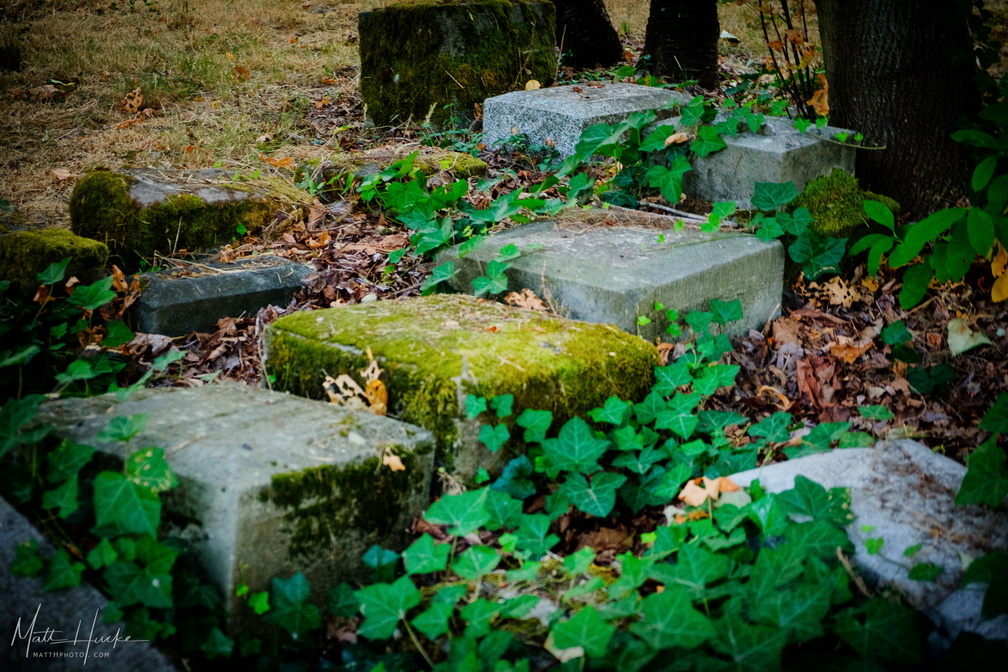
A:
[672,211]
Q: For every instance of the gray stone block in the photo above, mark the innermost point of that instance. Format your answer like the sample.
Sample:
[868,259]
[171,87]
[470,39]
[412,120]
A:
[73,613]
[778,153]
[906,493]
[192,298]
[612,266]
[272,484]
[560,114]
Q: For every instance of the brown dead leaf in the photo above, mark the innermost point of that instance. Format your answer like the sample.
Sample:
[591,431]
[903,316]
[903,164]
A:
[45,93]
[316,214]
[782,402]
[377,396]
[693,494]
[493,329]
[786,330]
[840,293]
[320,241]
[677,139]
[532,85]
[133,101]
[794,35]
[392,461]
[607,539]
[526,299]
[679,518]
[870,282]
[241,73]
[776,45]
[848,349]
[286,162]
[62,174]
[664,349]
[820,99]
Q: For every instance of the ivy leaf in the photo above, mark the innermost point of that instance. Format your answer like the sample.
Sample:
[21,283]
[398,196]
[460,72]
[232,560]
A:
[726,311]
[772,195]
[596,499]
[579,562]
[342,601]
[102,555]
[750,647]
[575,448]
[995,420]
[150,585]
[586,629]
[989,569]
[639,462]
[696,569]
[27,561]
[535,423]
[54,272]
[93,296]
[123,428]
[669,378]
[881,629]
[895,333]
[441,273]
[533,535]
[518,607]
[501,404]
[475,562]
[986,479]
[67,460]
[818,538]
[478,615]
[614,411]
[494,436]
[515,479]
[433,622]
[818,254]
[63,498]
[450,594]
[503,510]
[381,562]
[474,405]
[62,572]
[708,141]
[669,620]
[774,428]
[149,469]
[290,608]
[123,507]
[877,412]
[383,605]
[713,377]
[463,512]
[808,498]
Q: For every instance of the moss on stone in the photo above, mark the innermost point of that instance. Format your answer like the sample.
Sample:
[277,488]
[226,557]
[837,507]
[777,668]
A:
[436,350]
[347,503]
[25,254]
[103,207]
[419,57]
[837,203]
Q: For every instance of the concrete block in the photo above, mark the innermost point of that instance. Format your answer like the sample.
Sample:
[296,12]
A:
[560,114]
[177,301]
[906,493]
[778,153]
[437,349]
[427,61]
[72,613]
[272,483]
[610,266]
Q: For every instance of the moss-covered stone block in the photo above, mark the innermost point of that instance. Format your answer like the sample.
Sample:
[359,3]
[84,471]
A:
[269,484]
[436,350]
[421,57]
[329,174]
[25,254]
[837,203]
[138,213]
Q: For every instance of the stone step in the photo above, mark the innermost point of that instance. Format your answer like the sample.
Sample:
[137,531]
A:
[276,483]
[560,114]
[904,493]
[437,349]
[27,608]
[778,153]
[194,297]
[611,266]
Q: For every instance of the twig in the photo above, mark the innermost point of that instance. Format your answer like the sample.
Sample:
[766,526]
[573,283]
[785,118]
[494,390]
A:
[850,572]
[673,211]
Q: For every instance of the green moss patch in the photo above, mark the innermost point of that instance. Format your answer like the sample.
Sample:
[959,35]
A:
[837,203]
[138,214]
[25,254]
[436,350]
[419,58]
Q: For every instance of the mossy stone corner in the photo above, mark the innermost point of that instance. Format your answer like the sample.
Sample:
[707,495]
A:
[25,254]
[329,174]
[436,350]
[431,59]
[138,213]
[836,201]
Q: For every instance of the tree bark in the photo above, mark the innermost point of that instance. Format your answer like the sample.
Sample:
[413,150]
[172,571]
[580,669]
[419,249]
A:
[901,72]
[682,40]
[585,34]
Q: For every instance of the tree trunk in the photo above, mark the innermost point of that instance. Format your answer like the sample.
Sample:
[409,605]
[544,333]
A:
[682,40]
[585,34]
[901,72]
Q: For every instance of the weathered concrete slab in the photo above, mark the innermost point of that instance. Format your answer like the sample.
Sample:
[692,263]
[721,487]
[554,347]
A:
[190,298]
[27,608]
[904,493]
[275,483]
[610,266]
[431,60]
[437,349]
[561,113]
[140,212]
[778,153]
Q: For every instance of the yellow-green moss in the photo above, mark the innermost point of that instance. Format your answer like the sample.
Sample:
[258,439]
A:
[837,203]
[437,349]
[101,208]
[419,57]
[24,254]
[327,502]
